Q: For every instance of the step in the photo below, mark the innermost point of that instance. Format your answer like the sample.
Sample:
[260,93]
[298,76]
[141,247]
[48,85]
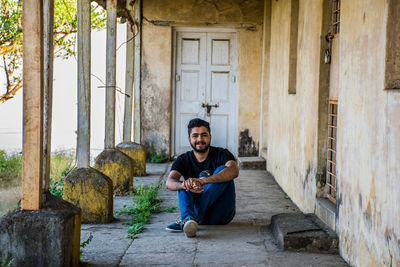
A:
[303,232]
[252,163]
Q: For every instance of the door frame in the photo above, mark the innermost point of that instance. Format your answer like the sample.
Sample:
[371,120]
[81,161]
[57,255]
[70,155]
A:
[235,85]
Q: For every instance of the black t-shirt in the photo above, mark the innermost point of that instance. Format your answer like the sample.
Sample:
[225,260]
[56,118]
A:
[187,164]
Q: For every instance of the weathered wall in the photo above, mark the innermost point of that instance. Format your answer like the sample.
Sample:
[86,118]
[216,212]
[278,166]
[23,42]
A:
[156,86]
[250,63]
[293,118]
[368,147]
[265,77]
[368,138]
[159,19]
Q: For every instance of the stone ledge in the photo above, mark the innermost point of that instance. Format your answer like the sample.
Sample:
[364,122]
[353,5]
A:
[326,211]
[303,232]
[252,163]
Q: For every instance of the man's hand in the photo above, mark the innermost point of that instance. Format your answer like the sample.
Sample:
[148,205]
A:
[193,185]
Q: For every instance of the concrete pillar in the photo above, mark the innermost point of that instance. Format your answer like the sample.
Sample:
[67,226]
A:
[46,230]
[112,162]
[135,151]
[48,25]
[86,187]
[109,140]
[137,8]
[84,68]
[130,57]
[32,156]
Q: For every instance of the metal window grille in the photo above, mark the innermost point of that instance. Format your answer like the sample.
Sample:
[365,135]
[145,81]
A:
[335,16]
[331,153]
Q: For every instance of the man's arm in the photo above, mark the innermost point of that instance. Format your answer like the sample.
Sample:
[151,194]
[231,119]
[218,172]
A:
[174,184]
[229,173]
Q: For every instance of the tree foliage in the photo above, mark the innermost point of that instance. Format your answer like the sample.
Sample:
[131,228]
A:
[65,28]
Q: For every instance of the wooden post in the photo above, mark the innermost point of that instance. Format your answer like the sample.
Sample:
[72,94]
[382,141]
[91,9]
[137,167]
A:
[32,156]
[130,57]
[137,69]
[84,52]
[109,140]
[48,40]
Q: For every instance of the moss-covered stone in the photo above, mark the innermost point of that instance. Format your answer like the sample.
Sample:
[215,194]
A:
[46,237]
[92,191]
[119,167]
[137,153]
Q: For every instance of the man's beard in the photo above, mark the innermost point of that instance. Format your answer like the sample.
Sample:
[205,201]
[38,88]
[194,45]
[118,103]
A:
[204,150]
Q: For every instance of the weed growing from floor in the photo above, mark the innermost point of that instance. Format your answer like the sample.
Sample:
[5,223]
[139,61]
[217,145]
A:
[157,157]
[5,262]
[145,203]
[84,244]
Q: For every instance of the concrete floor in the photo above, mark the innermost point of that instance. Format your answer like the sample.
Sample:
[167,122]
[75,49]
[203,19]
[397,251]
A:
[246,241]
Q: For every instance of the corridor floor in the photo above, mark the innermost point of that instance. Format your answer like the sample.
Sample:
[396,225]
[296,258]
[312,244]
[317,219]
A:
[246,241]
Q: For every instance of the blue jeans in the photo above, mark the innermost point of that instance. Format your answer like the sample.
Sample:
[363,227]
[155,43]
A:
[215,205]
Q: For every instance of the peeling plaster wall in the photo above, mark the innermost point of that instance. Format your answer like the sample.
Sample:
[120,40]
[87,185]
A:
[368,140]
[293,118]
[156,86]
[160,17]
[250,63]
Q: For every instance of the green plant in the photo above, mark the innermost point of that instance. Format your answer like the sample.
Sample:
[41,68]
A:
[157,157]
[145,203]
[84,244]
[60,165]
[57,187]
[10,169]
[5,262]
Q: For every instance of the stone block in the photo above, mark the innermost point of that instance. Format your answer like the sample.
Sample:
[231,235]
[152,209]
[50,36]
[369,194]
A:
[92,192]
[119,167]
[137,153]
[326,211]
[303,232]
[46,237]
[252,163]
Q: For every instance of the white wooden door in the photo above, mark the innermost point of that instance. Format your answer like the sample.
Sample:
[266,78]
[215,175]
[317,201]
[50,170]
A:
[205,83]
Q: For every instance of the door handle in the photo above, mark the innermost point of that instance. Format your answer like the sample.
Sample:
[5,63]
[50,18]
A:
[208,107]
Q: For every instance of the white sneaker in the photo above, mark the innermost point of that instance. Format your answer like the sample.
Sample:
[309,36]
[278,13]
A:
[190,228]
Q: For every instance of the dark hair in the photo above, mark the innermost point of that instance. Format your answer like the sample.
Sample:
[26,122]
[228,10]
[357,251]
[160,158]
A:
[198,123]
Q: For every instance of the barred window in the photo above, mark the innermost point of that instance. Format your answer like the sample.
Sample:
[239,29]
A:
[335,16]
[331,153]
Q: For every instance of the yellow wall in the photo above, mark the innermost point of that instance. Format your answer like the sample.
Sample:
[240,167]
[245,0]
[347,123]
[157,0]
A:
[160,18]
[368,138]
[292,119]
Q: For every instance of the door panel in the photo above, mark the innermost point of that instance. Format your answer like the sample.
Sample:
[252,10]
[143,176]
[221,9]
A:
[205,76]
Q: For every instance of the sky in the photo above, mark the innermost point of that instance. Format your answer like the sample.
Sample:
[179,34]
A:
[64,117]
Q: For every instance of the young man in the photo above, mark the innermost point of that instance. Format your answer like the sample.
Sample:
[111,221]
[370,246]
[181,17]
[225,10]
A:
[207,194]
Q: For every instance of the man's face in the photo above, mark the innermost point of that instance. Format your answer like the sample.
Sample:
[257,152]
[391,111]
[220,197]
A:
[200,139]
